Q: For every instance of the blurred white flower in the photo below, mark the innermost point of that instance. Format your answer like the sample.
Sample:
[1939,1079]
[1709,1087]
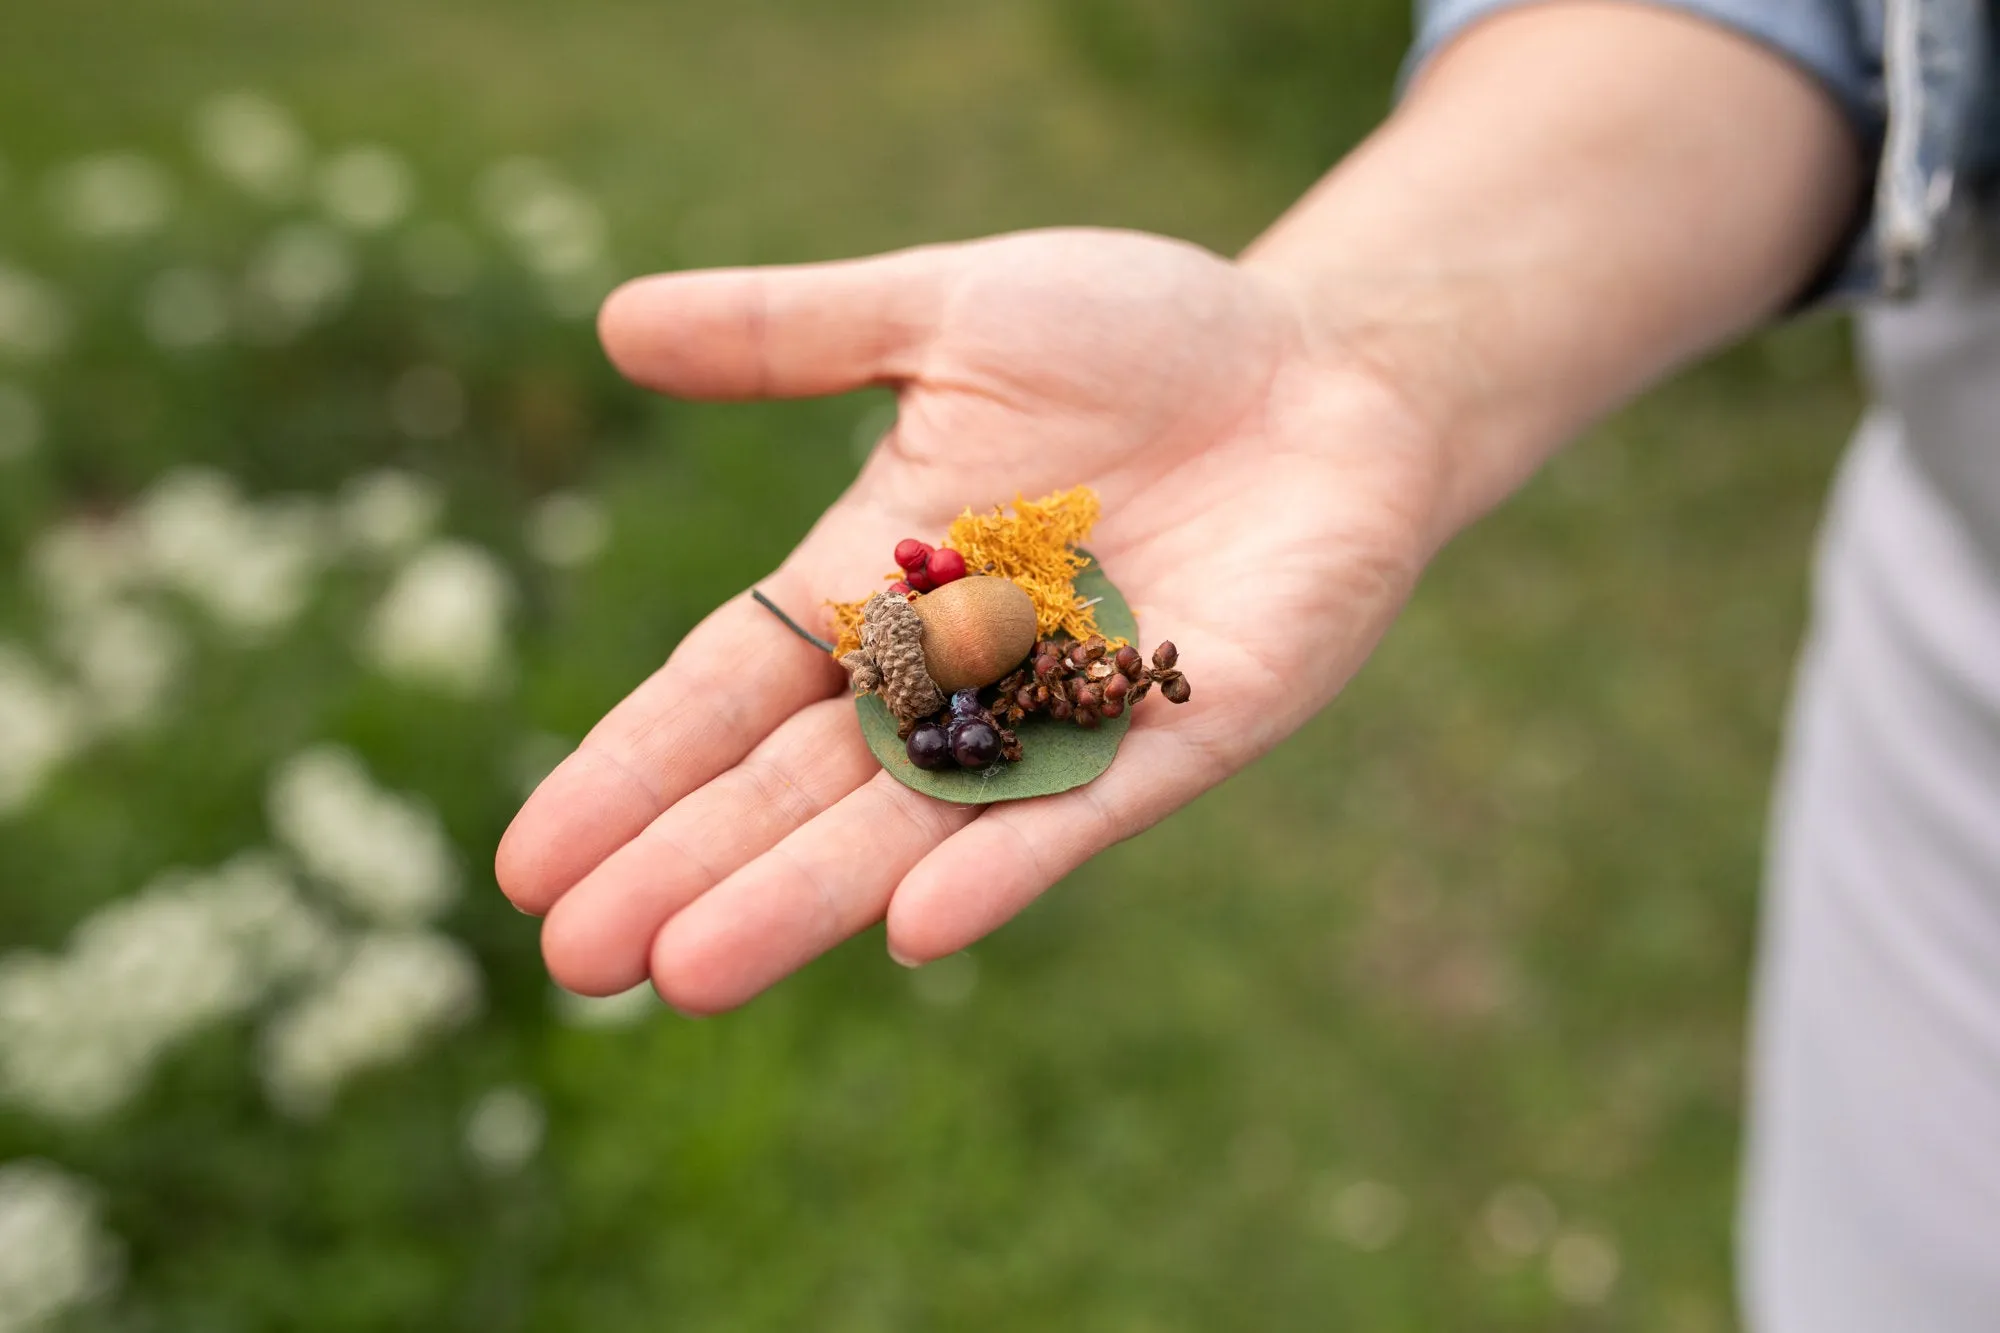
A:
[366,188]
[54,1251]
[439,259]
[185,308]
[20,422]
[81,1032]
[504,1129]
[81,563]
[622,1010]
[556,228]
[385,854]
[387,511]
[126,658]
[34,322]
[568,530]
[112,196]
[300,275]
[1519,1220]
[252,142]
[394,993]
[443,621]
[281,546]
[1583,1267]
[1366,1214]
[427,403]
[251,566]
[40,722]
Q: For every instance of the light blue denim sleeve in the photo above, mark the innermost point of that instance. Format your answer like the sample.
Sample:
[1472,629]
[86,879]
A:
[1837,42]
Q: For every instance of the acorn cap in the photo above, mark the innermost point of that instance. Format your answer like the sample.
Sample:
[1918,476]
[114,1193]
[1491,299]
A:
[890,661]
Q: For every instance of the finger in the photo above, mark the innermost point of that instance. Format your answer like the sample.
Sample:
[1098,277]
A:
[598,936]
[777,332]
[734,678]
[826,882]
[986,873]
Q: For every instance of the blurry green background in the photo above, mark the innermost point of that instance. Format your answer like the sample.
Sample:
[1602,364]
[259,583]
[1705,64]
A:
[1431,1020]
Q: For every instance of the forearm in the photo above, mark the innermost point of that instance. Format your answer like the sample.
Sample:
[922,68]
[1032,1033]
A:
[1574,199]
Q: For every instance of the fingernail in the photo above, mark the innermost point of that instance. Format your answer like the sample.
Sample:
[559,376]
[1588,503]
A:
[904,960]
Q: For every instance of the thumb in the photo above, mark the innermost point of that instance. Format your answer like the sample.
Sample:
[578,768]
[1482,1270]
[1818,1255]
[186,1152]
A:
[783,332]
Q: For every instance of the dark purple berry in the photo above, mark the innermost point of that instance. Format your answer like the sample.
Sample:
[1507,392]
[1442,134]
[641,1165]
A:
[974,744]
[965,703]
[929,748]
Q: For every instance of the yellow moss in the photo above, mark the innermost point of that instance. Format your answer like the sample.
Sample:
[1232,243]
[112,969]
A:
[1035,546]
[846,626]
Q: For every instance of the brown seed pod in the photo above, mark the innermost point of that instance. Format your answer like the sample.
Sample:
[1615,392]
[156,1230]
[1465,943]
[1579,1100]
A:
[976,630]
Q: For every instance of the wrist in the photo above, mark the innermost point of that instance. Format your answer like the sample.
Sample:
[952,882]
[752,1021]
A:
[1400,343]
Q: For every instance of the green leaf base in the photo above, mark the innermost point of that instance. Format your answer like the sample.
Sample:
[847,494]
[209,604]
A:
[1055,756]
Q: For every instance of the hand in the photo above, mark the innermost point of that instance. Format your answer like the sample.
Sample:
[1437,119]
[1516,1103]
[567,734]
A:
[1268,501]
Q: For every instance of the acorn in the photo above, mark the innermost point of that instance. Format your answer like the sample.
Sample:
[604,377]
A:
[976,630]
[965,635]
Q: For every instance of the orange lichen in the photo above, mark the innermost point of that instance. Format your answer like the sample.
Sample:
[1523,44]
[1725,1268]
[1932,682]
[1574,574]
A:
[1035,546]
[846,626]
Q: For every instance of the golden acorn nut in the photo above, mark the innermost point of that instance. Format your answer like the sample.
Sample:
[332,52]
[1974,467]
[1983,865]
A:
[976,630]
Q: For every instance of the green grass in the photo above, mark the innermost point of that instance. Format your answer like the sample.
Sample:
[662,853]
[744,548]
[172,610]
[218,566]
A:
[1486,921]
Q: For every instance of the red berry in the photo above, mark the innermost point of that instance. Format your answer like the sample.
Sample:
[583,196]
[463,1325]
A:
[900,588]
[946,566]
[911,554]
[920,579]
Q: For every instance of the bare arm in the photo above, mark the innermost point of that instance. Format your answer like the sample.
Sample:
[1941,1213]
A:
[1574,199]
[1577,197]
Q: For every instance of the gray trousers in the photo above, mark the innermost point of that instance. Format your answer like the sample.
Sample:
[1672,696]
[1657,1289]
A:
[1872,1182]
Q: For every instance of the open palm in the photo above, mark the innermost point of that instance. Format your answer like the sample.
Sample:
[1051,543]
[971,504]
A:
[1267,504]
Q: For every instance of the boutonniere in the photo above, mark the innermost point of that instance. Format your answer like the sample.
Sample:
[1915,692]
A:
[1000,663]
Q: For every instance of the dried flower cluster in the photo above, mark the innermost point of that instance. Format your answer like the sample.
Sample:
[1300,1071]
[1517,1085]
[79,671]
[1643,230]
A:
[1087,682]
[1035,547]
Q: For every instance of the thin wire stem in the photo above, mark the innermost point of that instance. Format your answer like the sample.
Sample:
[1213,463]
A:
[790,624]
